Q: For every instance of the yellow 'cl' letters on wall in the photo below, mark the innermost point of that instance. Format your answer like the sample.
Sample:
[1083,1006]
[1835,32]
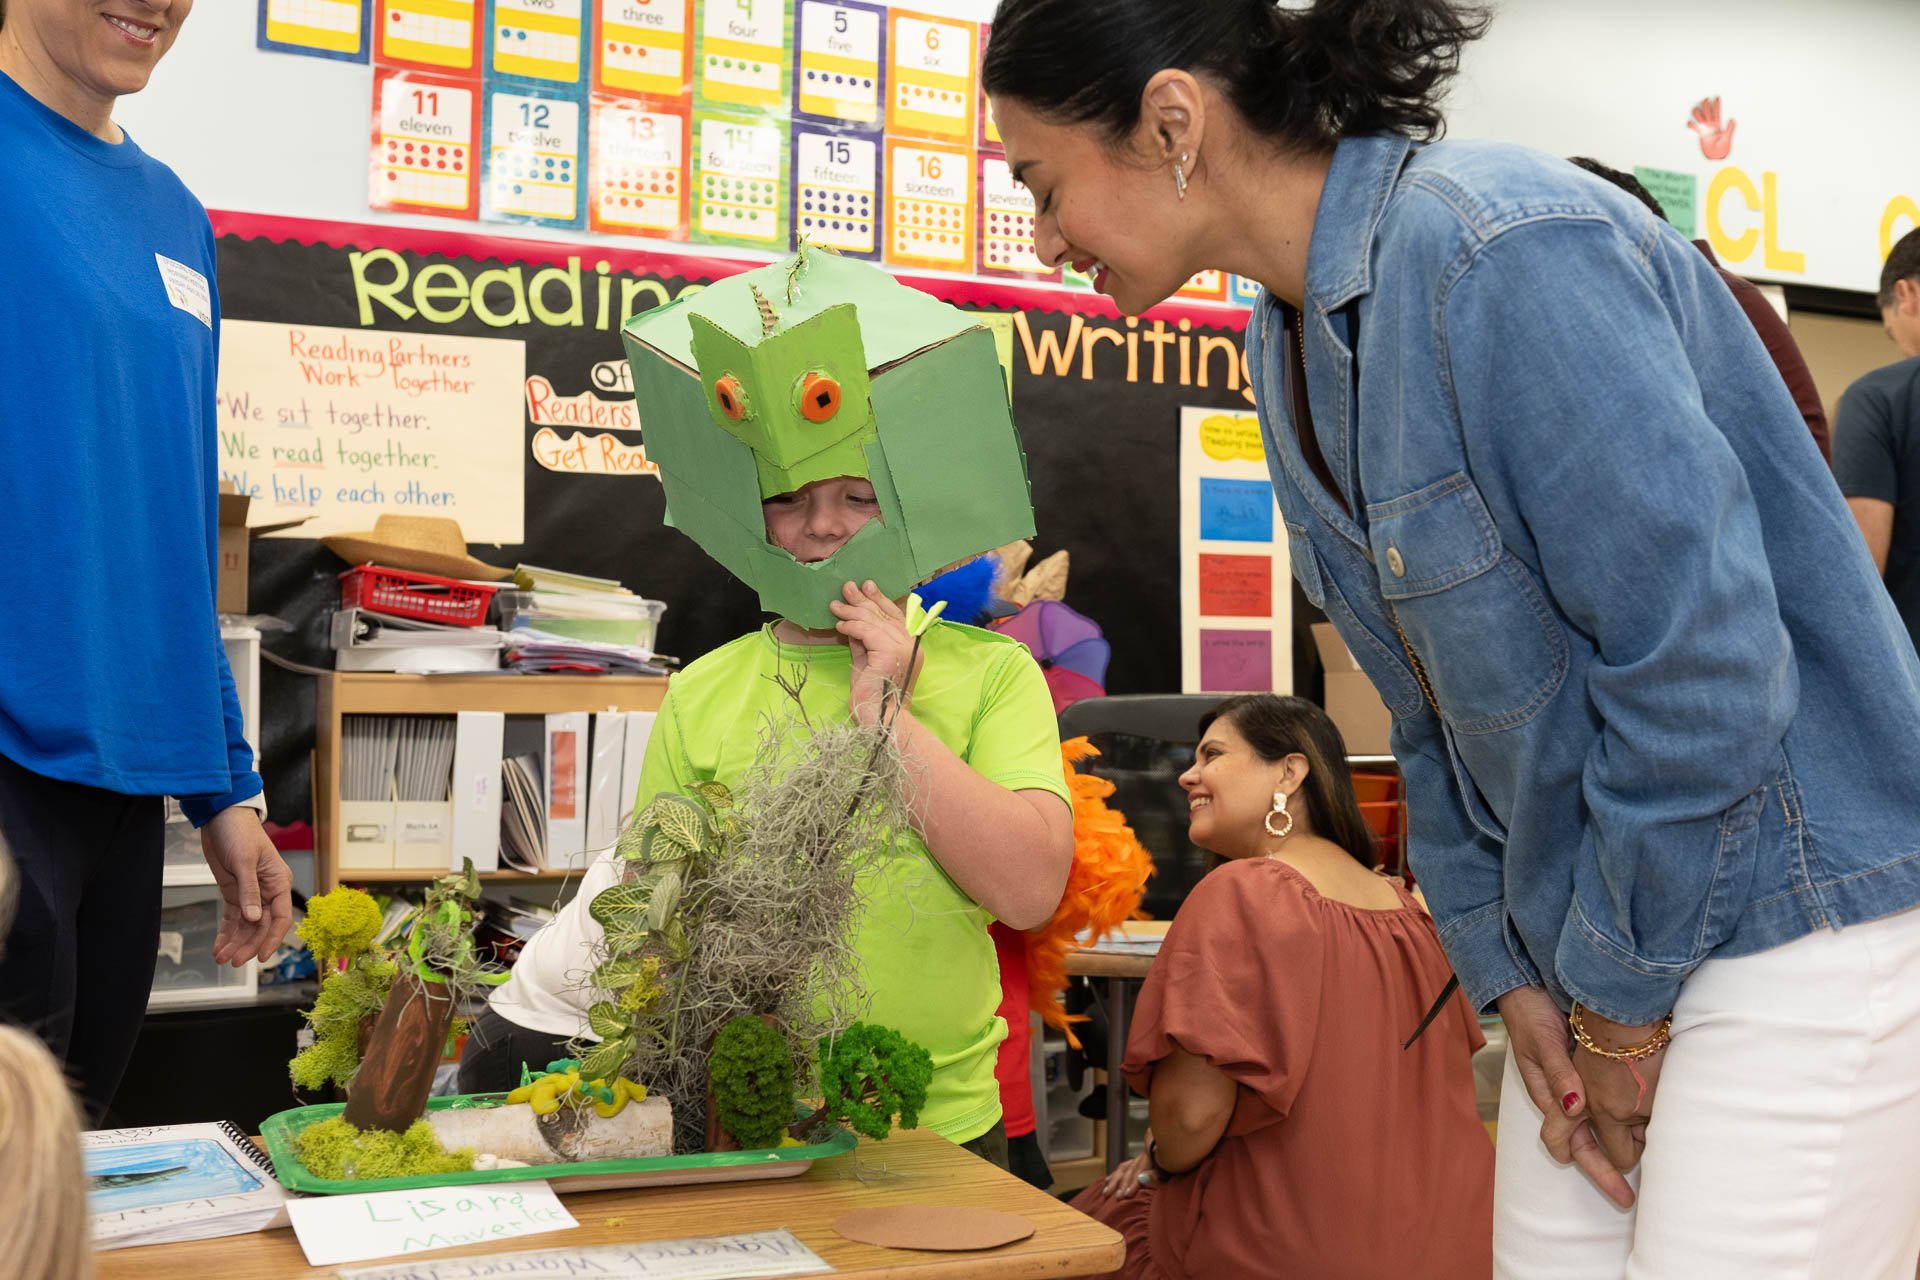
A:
[1734,249]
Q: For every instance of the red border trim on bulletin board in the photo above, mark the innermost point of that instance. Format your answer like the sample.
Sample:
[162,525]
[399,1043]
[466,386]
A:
[448,243]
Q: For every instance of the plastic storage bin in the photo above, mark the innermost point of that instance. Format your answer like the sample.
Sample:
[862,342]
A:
[423,596]
[185,971]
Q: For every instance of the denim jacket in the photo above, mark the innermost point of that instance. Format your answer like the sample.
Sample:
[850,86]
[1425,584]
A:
[1650,698]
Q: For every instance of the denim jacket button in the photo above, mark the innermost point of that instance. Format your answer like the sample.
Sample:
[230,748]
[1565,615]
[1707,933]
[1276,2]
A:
[1395,563]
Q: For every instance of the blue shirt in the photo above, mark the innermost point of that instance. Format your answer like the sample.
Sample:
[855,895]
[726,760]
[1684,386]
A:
[112,674]
[1652,702]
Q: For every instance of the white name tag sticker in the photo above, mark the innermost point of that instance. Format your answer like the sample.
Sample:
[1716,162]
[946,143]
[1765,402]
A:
[186,289]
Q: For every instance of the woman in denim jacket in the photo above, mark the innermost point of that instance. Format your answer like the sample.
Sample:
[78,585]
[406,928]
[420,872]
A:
[1659,723]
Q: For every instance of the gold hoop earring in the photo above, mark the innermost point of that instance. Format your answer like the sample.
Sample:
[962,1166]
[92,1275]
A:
[1280,808]
[1180,174]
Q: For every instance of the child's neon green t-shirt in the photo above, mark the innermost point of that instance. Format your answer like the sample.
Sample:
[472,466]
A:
[928,959]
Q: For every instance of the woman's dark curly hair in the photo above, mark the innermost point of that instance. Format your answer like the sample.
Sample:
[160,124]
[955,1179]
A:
[1305,77]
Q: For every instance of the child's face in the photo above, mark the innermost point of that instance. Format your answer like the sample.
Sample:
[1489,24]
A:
[812,523]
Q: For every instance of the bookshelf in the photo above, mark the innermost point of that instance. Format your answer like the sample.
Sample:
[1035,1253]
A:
[344,693]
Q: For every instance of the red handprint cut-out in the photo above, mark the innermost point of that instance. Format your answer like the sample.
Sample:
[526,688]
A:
[1716,140]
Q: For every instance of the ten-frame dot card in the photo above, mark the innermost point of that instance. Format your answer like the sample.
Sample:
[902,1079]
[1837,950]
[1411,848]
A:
[1006,223]
[535,151]
[644,46]
[424,132]
[836,190]
[929,205]
[741,59]
[838,53]
[317,28]
[930,86]
[539,40]
[739,186]
[639,176]
[441,36]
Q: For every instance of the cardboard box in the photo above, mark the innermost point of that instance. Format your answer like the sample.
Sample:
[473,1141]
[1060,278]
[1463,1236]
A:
[236,537]
[1352,702]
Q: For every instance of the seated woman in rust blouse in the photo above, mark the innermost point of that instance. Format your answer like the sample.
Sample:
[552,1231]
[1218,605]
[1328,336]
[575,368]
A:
[1291,1135]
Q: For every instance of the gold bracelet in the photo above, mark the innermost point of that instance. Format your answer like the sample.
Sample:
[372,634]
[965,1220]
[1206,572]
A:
[1652,1045]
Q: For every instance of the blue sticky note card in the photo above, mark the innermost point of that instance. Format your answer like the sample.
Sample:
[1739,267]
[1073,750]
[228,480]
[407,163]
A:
[1236,510]
[334,29]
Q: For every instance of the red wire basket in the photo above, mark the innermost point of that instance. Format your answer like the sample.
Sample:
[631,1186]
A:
[425,596]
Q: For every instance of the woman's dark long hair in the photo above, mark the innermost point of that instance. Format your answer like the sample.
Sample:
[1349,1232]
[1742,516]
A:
[1305,77]
[1277,727]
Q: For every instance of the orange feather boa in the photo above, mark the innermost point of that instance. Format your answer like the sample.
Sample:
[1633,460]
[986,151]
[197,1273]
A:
[1109,873]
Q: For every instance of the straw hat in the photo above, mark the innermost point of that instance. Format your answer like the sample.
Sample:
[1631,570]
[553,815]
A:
[424,544]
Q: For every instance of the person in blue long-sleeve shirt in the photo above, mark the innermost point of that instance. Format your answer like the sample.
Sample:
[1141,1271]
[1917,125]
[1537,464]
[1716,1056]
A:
[114,686]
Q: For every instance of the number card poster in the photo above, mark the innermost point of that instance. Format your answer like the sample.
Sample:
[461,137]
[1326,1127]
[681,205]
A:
[836,191]
[741,59]
[639,182]
[317,28]
[429,35]
[739,180]
[1236,595]
[543,41]
[425,129]
[840,51]
[930,79]
[534,159]
[644,46]
[929,205]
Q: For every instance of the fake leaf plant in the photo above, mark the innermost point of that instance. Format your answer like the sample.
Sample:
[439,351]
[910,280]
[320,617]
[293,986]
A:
[727,952]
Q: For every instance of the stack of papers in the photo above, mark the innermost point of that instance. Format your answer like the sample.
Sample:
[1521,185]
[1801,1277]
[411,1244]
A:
[523,814]
[178,1182]
[571,606]
[530,649]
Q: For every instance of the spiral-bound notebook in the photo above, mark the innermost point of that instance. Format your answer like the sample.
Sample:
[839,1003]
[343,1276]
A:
[178,1182]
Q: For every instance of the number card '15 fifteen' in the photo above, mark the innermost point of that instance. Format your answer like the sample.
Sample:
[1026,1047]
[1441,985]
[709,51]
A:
[425,129]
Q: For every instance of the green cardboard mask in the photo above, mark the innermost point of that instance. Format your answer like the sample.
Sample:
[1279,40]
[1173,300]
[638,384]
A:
[815,367]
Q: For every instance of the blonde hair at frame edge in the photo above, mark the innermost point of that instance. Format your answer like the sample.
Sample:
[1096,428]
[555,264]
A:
[43,1185]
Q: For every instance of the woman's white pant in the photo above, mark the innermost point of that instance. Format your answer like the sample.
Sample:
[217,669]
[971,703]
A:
[1785,1140]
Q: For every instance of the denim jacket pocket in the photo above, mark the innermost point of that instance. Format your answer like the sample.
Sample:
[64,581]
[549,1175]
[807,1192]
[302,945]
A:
[1493,650]
[1306,564]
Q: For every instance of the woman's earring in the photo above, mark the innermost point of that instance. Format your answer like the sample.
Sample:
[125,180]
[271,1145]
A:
[1180,174]
[1280,808]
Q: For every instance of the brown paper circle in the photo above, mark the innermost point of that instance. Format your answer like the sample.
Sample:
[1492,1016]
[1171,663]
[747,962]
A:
[928,1226]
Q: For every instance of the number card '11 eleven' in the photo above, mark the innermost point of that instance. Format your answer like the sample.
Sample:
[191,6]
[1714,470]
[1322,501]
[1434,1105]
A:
[425,131]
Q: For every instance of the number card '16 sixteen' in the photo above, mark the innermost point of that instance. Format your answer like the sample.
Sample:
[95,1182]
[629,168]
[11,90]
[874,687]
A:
[425,131]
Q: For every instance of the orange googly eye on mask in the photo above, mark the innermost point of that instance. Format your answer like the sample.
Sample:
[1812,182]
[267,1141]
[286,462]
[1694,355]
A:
[819,397]
[733,400]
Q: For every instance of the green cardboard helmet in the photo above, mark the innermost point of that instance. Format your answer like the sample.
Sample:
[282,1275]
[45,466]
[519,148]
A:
[819,366]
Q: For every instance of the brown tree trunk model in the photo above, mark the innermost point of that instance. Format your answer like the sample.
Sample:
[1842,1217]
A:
[397,1061]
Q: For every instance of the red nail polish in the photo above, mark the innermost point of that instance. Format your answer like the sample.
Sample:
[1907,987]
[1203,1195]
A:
[1569,1102]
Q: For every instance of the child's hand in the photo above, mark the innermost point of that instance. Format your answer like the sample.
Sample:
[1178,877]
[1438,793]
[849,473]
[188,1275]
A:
[876,632]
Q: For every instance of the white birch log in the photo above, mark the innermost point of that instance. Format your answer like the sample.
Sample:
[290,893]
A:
[640,1131]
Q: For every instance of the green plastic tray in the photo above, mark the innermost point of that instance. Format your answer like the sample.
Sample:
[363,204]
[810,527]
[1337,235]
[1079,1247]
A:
[281,1129]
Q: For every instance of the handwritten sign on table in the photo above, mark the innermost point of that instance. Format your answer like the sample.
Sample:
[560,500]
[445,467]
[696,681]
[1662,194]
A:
[344,424]
[381,1224]
[735,1257]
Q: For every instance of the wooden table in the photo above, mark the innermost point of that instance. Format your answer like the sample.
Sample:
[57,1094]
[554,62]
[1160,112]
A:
[912,1167]
[1120,964]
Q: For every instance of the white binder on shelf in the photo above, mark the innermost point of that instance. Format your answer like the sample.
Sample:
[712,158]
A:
[568,775]
[639,733]
[603,790]
[478,742]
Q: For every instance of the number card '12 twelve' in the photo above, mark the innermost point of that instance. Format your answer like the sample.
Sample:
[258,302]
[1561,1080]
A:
[644,46]
[425,131]
[534,157]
